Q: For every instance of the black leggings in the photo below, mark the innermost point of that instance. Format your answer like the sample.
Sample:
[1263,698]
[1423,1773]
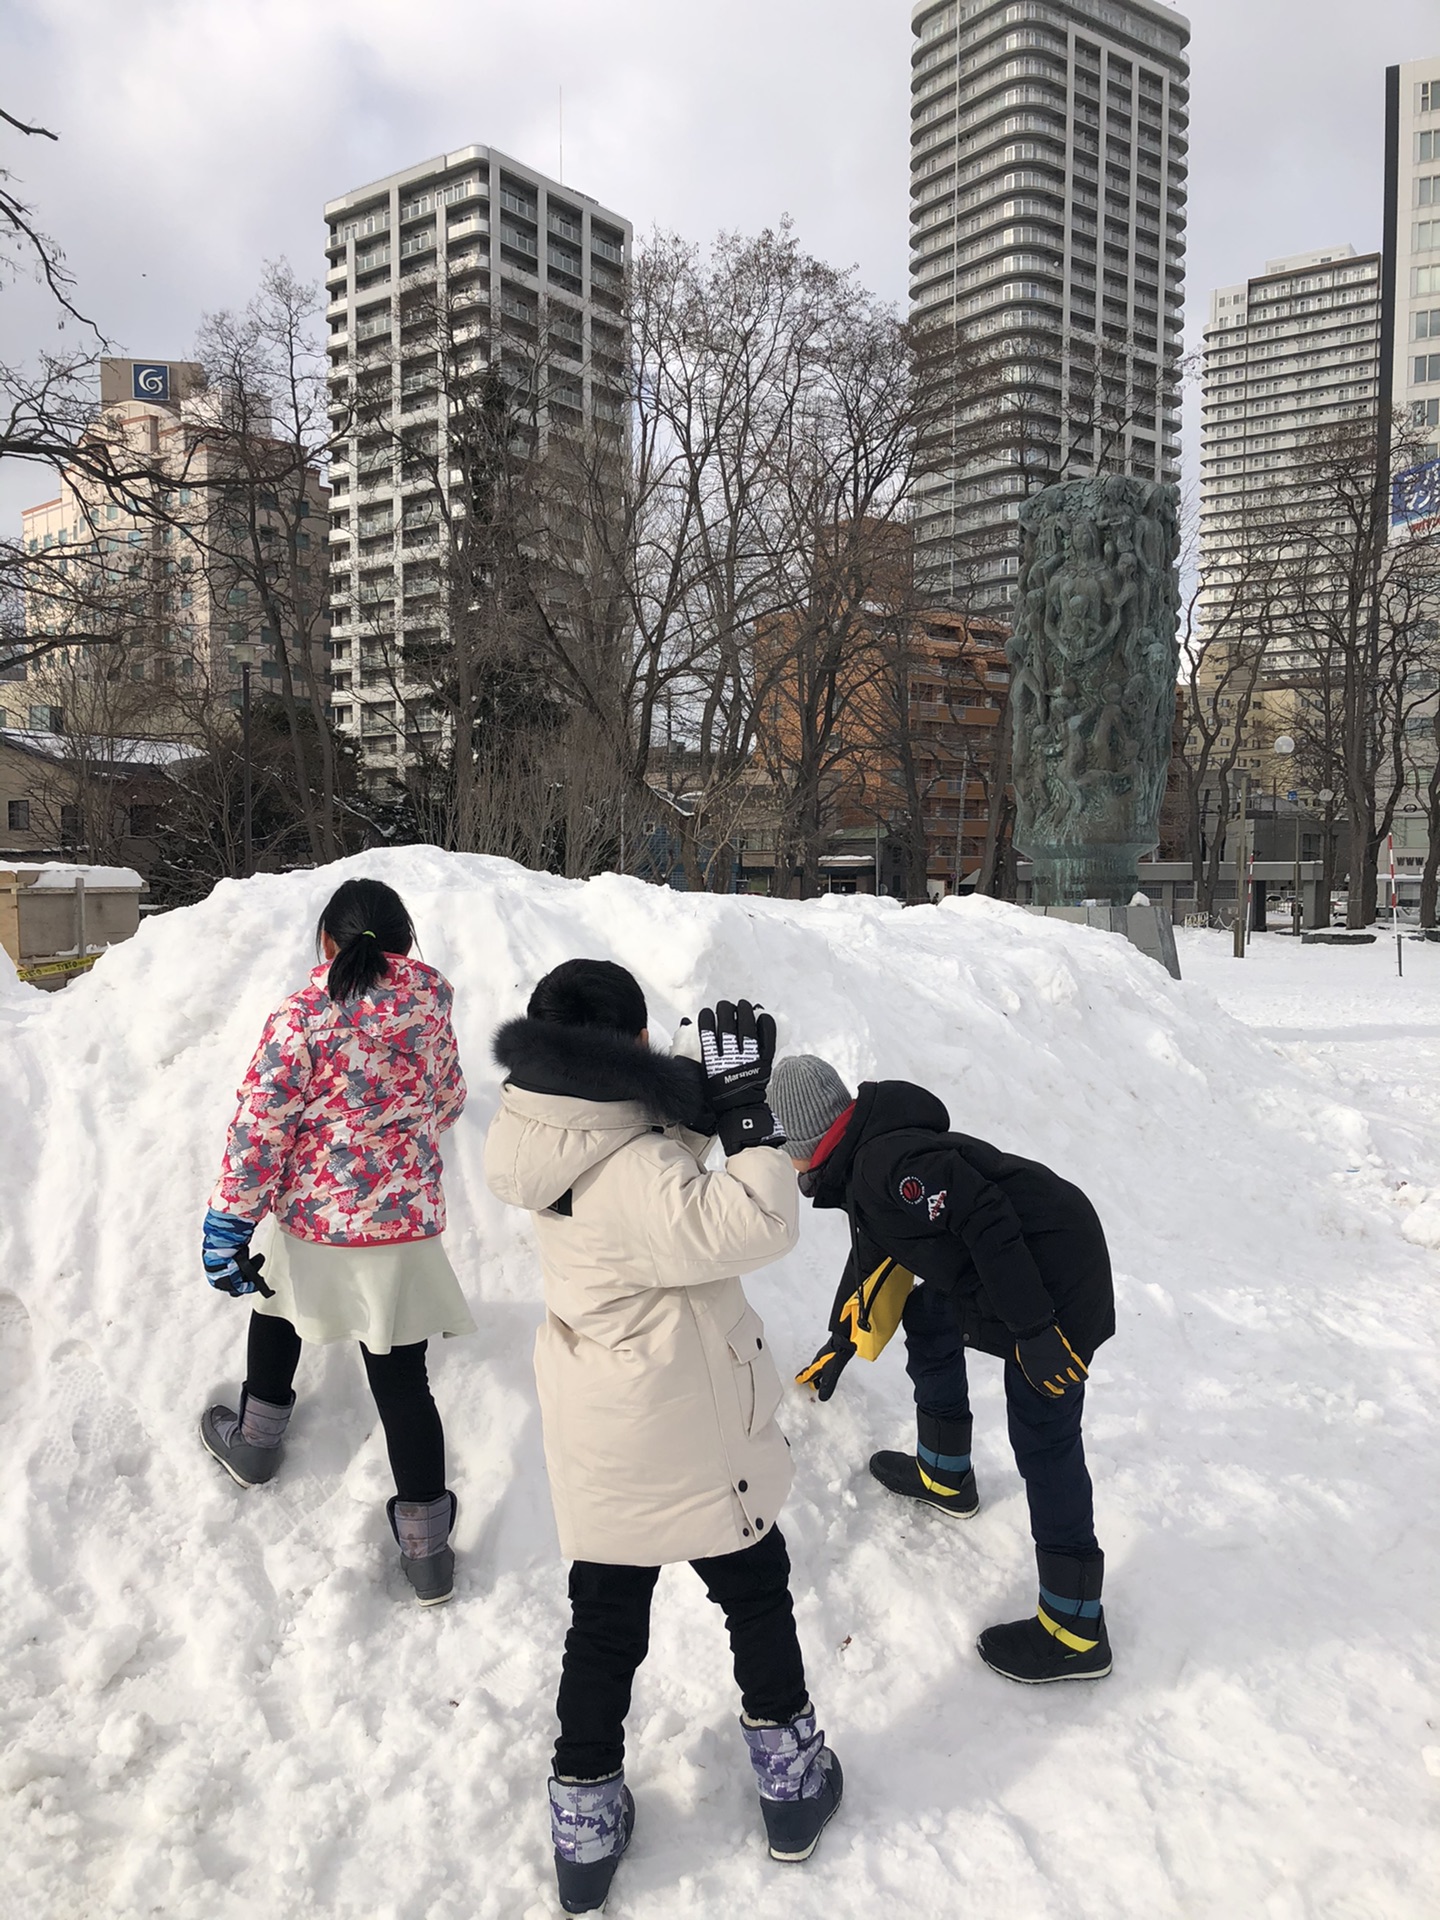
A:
[610,1635]
[413,1433]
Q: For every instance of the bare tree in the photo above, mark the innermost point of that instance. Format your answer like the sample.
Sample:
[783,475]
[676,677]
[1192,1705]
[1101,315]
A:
[1361,605]
[1230,625]
[49,418]
[256,464]
[728,568]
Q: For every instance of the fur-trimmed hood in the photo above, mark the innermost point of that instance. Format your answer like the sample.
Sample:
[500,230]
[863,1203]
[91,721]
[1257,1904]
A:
[573,1097]
[593,1064]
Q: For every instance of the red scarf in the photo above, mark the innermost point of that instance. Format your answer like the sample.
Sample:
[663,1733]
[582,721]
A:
[829,1140]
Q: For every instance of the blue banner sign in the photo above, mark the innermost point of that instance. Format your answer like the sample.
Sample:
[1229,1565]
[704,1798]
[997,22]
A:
[1415,495]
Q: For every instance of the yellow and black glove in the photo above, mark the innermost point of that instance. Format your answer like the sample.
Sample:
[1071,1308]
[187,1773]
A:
[824,1371]
[863,1321]
[1050,1363]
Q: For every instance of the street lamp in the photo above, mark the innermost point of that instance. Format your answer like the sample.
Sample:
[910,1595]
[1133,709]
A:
[246,655]
[1285,746]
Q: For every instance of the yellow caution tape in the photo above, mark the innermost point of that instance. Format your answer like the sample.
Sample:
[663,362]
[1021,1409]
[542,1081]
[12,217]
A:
[48,969]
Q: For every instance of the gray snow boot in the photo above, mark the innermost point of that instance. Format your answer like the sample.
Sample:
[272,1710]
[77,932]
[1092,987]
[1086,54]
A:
[591,1822]
[422,1531]
[799,1779]
[247,1442]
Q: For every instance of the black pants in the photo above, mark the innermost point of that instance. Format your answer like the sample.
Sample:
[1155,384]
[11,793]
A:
[1044,1433]
[610,1635]
[413,1433]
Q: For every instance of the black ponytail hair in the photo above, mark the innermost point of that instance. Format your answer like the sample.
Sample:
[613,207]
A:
[366,920]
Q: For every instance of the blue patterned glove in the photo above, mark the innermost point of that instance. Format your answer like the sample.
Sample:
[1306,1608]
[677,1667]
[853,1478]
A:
[222,1238]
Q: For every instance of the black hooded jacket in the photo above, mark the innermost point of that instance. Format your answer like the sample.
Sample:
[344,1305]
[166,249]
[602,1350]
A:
[1017,1245]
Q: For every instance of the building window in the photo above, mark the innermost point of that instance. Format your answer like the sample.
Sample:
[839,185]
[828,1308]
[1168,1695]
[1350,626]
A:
[144,821]
[1425,413]
[1427,325]
[1427,146]
[69,822]
[18,812]
[1427,368]
[47,719]
[1427,235]
[1427,190]
[1430,96]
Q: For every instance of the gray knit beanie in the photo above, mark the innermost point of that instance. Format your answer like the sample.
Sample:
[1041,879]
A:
[807,1097]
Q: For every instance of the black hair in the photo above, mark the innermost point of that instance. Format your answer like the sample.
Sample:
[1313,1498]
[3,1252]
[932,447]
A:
[366,920]
[591,993]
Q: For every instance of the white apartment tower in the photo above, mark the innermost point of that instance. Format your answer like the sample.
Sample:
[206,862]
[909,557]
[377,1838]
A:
[1413,241]
[534,273]
[1292,351]
[1048,165]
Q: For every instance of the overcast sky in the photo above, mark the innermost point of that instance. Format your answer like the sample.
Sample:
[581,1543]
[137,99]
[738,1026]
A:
[199,137]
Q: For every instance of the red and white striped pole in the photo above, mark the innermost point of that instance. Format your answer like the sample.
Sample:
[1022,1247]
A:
[1395,908]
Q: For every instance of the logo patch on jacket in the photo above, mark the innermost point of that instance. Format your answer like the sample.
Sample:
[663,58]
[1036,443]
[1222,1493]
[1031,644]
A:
[936,1204]
[912,1191]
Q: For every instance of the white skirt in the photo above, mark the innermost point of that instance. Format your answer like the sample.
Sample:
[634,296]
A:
[389,1296]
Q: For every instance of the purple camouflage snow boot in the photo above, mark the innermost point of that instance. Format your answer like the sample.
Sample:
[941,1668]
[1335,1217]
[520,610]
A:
[247,1442]
[591,1822]
[799,1779]
[422,1531]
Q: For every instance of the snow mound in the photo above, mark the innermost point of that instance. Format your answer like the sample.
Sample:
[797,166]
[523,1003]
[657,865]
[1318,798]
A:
[219,1703]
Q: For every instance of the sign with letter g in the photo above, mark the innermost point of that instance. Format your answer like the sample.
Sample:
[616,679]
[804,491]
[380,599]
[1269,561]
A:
[150,382]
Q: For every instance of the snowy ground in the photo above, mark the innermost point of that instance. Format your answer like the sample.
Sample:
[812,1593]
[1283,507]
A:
[218,1704]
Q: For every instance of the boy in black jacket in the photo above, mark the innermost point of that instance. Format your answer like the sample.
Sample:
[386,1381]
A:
[1011,1260]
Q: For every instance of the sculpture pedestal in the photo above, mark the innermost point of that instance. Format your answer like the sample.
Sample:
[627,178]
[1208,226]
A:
[1149,928]
[1104,871]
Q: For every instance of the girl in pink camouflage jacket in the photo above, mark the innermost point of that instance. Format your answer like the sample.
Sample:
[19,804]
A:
[336,1138]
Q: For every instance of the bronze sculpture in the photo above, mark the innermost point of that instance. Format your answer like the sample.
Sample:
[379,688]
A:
[1093,657]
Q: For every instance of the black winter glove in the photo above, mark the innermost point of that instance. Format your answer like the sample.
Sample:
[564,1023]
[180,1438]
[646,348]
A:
[1050,1363]
[686,1046]
[737,1052]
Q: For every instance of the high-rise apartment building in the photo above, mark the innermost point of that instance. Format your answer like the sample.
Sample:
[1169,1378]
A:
[529,276]
[1412,243]
[1412,348]
[1289,353]
[1048,167]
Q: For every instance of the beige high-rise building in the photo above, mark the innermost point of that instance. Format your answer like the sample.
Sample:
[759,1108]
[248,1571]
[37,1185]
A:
[1414,179]
[146,577]
[529,274]
[1048,160]
[1412,293]
[1288,353]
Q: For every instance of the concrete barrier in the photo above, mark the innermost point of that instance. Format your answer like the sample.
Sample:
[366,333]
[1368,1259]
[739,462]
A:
[57,918]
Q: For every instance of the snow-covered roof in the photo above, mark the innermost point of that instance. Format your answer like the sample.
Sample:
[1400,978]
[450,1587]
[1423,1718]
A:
[128,753]
[62,874]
